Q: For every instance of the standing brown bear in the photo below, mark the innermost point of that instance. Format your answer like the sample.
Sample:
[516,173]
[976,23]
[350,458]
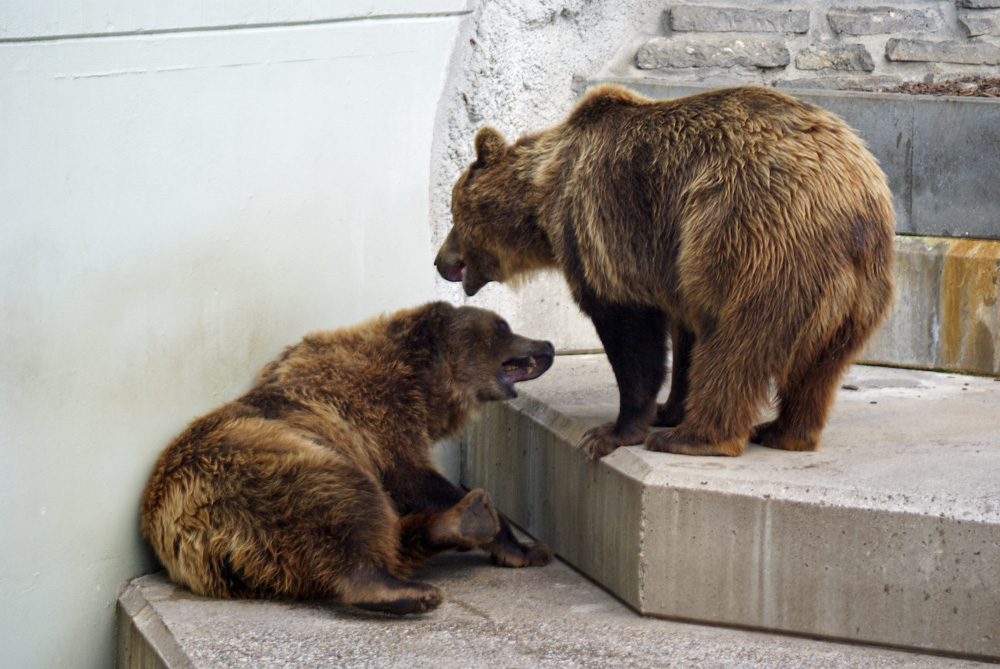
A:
[318,483]
[754,227]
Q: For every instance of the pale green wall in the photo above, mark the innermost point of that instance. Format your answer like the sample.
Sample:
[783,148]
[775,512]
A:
[175,206]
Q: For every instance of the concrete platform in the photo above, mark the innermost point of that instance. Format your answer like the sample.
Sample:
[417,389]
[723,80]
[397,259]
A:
[888,534]
[492,617]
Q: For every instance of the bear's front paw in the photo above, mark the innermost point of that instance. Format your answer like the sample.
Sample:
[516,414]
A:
[478,520]
[673,441]
[601,440]
[530,554]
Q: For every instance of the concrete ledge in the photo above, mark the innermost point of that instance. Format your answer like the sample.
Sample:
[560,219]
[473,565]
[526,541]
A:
[144,642]
[933,150]
[888,534]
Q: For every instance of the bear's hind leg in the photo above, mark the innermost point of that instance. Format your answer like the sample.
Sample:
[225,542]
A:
[807,393]
[671,412]
[359,559]
[634,340]
[727,383]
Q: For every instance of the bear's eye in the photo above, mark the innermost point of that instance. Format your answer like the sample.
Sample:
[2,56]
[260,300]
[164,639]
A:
[502,327]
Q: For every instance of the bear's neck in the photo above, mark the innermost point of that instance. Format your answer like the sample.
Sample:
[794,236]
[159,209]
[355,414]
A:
[448,409]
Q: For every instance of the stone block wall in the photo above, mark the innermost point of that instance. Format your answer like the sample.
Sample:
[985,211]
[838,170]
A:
[823,44]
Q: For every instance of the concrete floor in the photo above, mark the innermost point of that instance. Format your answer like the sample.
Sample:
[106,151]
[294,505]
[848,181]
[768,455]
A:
[492,617]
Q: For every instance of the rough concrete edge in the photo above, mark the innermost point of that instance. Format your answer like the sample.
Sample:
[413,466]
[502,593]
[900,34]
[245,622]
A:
[140,623]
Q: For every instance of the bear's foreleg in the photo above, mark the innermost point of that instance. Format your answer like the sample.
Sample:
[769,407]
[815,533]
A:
[671,412]
[634,339]
[438,516]
[507,551]
[471,523]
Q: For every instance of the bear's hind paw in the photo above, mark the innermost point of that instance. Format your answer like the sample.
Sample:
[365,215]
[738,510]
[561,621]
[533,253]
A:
[669,441]
[771,435]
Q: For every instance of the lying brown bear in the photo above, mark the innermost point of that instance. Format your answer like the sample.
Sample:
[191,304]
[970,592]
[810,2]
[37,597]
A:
[755,228]
[318,483]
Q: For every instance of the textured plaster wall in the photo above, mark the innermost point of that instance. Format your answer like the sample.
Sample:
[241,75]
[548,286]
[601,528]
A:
[520,66]
[183,191]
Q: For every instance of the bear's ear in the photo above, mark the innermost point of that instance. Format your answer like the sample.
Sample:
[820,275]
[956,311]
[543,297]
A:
[489,145]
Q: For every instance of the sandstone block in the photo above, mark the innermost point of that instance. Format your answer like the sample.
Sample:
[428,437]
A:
[976,23]
[881,20]
[851,57]
[693,18]
[926,51]
[979,4]
[661,52]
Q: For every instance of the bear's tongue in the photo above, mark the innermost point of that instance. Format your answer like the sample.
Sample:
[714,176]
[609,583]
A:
[456,272]
[526,368]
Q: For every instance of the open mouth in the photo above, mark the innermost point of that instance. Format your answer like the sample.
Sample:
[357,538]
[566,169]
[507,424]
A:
[460,272]
[455,272]
[523,369]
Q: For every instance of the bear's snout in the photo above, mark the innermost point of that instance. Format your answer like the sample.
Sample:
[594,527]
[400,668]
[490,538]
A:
[450,269]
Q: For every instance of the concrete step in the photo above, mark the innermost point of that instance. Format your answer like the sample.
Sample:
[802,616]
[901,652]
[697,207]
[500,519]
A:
[492,617]
[888,534]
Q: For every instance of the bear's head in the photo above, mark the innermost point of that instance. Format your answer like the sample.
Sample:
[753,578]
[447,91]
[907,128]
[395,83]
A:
[485,358]
[495,234]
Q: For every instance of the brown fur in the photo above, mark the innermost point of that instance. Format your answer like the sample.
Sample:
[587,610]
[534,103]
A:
[755,228]
[319,482]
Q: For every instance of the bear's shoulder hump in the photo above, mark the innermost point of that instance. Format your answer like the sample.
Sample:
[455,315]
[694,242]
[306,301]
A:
[598,102]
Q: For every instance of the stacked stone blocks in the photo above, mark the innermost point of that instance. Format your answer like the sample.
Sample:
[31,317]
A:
[825,44]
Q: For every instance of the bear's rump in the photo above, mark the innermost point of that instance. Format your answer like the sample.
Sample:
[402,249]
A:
[276,521]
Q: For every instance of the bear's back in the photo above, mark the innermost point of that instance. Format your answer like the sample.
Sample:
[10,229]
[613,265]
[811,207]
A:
[719,181]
